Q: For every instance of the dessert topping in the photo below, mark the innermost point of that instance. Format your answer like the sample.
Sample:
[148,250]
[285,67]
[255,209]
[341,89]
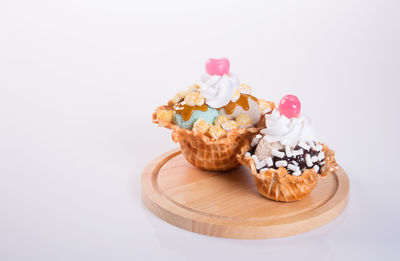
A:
[281,163]
[217,66]
[221,119]
[270,162]
[244,120]
[165,115]
[296,162]
[243,102]
[230,125]
[200,126]
[186,111]
[290,106]
[265,106]
[194,99]
[218,90]
[245,88]
[288,131]
[216,132]
[182,94]
[218,85]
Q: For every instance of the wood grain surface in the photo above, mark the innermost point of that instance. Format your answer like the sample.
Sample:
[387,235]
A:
[227,204]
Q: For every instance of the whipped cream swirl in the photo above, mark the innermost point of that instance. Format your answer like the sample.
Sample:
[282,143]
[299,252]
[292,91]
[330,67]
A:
[288,131]
[218,90]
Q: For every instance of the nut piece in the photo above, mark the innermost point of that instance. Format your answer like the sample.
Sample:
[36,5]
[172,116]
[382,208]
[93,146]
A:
[165,115]
[179,96]
[242,89]
[194,98]
[193,88]
[182,94]
[236,95]
[220,120]
[265,106]
[230,125]
[244,121]
[245,89]
[200,126]
[216,132]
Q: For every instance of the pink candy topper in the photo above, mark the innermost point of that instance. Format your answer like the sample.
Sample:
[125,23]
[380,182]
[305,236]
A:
[290,106]
[217,66]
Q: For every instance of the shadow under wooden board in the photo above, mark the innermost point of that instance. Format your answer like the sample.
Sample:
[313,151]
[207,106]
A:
[227,204]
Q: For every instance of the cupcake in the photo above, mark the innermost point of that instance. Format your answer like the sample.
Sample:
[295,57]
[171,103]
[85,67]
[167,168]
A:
[214,118]
[285,158]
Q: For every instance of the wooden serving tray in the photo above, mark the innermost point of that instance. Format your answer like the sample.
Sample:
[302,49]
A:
[227,204]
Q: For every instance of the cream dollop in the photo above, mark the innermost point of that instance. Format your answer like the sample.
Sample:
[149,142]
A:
[287,131]
[218,90]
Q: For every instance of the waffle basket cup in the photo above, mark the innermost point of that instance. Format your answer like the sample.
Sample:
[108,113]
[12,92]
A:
[279,185]
[207,153]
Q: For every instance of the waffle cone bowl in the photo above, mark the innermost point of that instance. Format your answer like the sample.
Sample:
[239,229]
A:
[279,185]
[207,153]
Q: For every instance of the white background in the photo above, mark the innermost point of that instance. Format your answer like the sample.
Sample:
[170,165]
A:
[79,81]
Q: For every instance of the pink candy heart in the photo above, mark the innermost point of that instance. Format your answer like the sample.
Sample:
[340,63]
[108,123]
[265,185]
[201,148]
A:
[217,66]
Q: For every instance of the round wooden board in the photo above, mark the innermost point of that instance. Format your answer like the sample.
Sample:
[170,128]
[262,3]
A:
[227,204]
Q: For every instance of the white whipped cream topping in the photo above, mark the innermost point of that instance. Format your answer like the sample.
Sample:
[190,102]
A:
[218,90]
[287,131]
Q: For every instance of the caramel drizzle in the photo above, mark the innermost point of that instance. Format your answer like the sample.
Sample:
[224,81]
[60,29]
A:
[243,102]
[186,111]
